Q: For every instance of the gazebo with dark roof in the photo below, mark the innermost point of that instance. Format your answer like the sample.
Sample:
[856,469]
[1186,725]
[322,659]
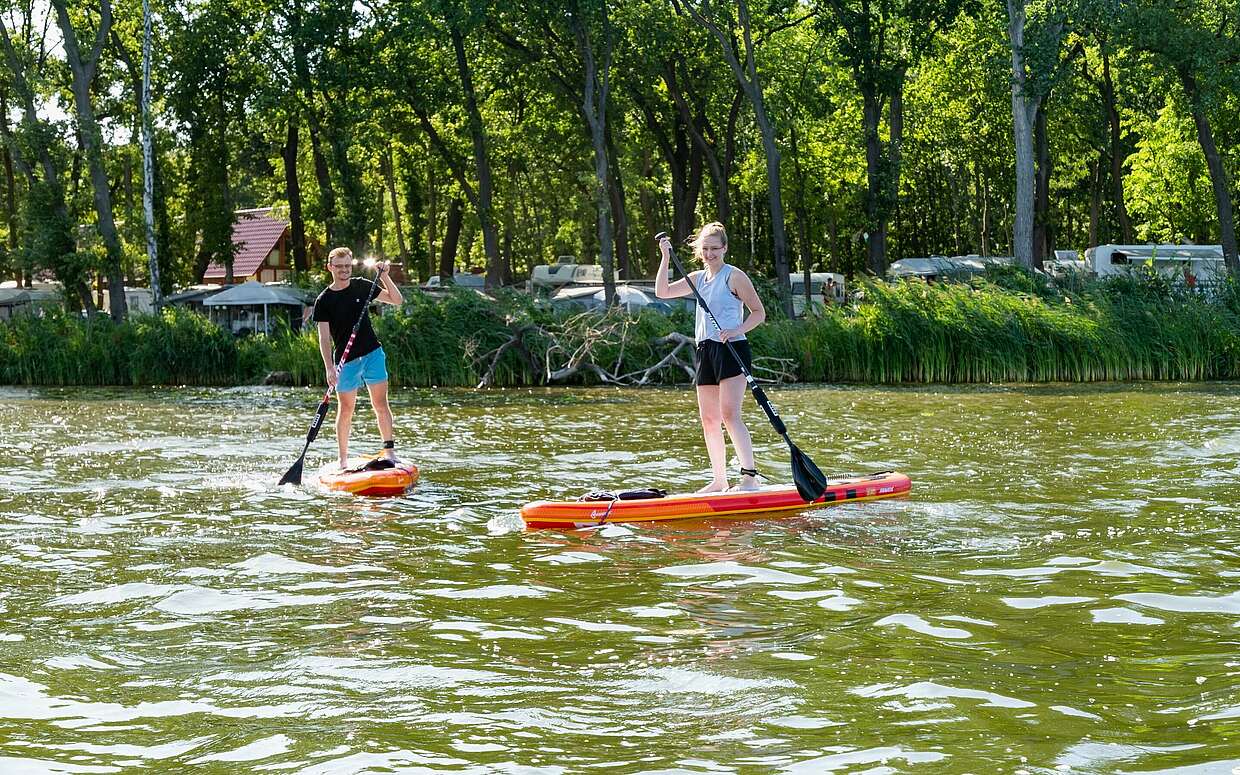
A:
[262,249]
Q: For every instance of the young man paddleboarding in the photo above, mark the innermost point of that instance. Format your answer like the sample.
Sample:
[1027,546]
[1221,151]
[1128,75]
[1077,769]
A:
[337,309]
[721,384]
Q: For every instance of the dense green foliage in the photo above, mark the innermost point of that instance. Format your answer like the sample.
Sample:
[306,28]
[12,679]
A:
[1009,327]
[368,119]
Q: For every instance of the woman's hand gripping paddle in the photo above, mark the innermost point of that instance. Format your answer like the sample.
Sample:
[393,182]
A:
[293,475]
[810,481]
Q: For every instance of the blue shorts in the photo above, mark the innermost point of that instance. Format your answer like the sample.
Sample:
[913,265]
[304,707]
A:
[370,369]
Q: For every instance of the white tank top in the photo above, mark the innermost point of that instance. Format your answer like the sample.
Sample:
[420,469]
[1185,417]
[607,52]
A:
[728,309]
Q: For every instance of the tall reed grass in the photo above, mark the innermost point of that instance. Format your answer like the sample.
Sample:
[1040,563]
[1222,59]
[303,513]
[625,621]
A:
[1010,326]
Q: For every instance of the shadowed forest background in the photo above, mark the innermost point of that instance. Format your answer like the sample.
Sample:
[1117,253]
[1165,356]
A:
[835,134]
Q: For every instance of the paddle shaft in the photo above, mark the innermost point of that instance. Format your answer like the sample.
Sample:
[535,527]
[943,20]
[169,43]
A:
[758,394]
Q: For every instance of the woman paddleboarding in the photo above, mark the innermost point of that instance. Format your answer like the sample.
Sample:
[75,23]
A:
[720,380]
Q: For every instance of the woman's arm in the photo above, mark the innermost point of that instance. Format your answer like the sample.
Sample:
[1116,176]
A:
[662,288]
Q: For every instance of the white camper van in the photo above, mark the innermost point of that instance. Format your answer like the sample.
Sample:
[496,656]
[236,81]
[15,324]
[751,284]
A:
[1201,262]
[817,281]
[547,278]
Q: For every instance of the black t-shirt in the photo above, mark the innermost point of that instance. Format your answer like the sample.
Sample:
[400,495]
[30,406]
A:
[341,310]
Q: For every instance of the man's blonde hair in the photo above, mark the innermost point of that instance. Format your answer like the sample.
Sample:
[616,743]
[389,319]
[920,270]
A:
[338,253]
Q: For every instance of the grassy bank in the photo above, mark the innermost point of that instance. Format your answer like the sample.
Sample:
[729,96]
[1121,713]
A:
[1010,326]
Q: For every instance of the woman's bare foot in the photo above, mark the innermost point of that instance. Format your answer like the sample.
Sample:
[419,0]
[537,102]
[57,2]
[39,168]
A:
[746,484]
[715,486]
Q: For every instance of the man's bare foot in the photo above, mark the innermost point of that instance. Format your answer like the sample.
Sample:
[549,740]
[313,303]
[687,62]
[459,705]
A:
[715,486]
[343,463]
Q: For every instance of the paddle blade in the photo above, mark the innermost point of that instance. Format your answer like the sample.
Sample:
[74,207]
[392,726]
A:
[293,475]
[810,481]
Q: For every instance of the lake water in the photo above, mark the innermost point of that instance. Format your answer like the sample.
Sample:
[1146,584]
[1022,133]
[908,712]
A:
[1060,593]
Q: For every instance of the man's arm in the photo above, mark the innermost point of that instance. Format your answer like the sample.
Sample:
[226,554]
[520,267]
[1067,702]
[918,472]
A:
[325,350]
[390,293]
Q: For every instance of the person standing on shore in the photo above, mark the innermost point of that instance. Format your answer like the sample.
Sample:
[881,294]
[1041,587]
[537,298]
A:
[336,310]
[720,382]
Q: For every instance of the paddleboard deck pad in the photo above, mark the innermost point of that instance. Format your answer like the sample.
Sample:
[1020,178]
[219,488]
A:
[372,481]
[773,500]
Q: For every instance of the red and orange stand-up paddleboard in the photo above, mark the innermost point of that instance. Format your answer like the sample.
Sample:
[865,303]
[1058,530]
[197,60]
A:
[769,501]
[372,482]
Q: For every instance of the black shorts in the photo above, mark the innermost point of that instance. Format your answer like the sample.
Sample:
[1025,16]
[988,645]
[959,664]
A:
[715,363]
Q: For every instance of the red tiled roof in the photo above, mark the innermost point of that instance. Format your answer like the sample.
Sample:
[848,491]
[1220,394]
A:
[255,233]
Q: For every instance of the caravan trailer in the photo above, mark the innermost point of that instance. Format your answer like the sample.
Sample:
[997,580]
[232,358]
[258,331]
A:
[547,278]
[817,280]
[1201,262]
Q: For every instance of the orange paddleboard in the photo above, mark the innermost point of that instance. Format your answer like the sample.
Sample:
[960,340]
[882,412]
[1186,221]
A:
[384,481]
[775,500]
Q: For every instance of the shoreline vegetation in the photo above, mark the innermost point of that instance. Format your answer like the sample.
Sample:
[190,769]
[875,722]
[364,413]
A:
[1007,326]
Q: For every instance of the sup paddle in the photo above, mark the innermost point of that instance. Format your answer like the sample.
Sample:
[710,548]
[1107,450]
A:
[293,475]
[810,481]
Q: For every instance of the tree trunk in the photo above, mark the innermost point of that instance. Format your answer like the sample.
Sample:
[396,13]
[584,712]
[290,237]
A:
[774,195]
[432,217]
[451,238]
[10,196]
[1117,153]
[389,174]
[83,70]
[705,150]
[876,239]
[803,241]
[148,162]
[984,191]
[380,220]
[1024,106]
[1095,201]
[684,164]
[292,190]
[490,239]
[327,192]
[1218,175]
[1042,182]
[594,107]
[619,210]
[729,158]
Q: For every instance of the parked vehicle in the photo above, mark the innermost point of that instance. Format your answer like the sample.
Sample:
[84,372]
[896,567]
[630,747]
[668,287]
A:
[933,268]
[547,278]
[1200,262]
[818,281]
[461,279]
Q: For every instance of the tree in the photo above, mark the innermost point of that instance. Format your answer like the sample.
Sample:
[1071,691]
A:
[84,69]
[46,227]
[880,42]
[1035,34]
[1200,44]
[741,59]
[596,85]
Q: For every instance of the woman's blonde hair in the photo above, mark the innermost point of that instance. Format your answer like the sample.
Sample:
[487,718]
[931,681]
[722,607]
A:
[712,229]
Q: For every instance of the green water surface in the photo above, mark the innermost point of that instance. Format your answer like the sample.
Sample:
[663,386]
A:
[1061,592]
